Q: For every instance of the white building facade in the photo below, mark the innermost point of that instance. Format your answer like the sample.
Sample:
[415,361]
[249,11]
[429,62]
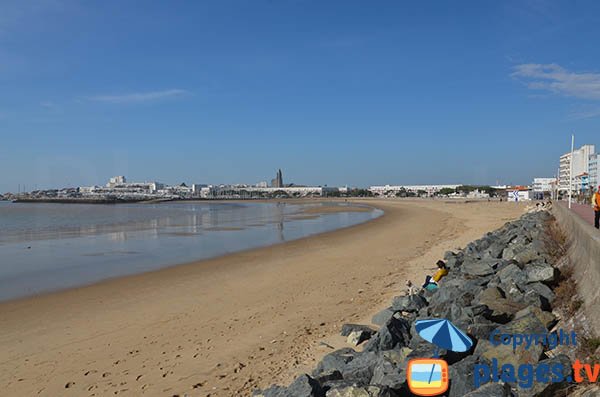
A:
[387,190]
[585,169]
[543,185]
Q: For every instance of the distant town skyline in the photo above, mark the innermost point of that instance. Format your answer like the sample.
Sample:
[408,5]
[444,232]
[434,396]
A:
[335,93]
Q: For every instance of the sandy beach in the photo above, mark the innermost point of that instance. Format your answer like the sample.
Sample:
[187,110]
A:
[225,326]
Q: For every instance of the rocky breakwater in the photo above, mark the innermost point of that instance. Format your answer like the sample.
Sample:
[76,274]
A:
[501,284]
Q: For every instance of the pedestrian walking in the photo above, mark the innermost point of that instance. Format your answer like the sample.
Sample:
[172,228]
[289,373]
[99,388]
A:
[596,205]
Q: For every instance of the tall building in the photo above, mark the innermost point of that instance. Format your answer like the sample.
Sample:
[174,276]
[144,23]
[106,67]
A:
[543,185]
[278,181]
[585,169]
[116,180]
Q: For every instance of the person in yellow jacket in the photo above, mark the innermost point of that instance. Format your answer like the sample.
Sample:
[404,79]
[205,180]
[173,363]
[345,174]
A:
[596,205]
[441,273]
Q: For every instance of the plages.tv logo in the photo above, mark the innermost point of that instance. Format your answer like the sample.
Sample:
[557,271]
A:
[429,376]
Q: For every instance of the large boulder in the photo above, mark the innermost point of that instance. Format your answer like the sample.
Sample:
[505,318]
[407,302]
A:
[546,318]
[335,361]
[491,390]
[382,317]
[481,267]
[357,337]
[527,255]
[356,333]
[502,309]
[505,353]
[388,372]
[303,386]
[494,251]
[396,332]
[540,289]
[537,388]
[409,303]
[540,271]
[360,370]
[512,273]
[347,329]
[461,377]
[361,391]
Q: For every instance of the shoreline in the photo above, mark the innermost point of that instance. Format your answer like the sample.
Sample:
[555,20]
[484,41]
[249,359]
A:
[226,325]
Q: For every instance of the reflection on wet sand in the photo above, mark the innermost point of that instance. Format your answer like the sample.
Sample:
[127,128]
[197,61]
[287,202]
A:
[53,246]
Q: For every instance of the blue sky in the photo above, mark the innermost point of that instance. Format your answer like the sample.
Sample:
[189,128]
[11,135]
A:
[346,92]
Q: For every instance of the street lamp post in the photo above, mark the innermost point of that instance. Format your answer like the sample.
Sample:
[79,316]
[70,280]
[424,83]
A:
[571,170]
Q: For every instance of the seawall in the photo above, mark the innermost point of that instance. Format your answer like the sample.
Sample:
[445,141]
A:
[584,255]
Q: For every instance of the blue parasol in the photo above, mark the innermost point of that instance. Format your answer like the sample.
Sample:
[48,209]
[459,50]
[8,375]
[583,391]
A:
[444,334]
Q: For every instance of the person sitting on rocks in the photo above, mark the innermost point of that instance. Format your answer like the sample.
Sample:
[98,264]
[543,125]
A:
[432,281]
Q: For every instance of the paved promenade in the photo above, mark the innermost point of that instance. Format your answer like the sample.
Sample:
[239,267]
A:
[585,211]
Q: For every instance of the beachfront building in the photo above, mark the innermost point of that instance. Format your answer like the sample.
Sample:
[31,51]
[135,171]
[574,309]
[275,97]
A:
[585,169]
[477,194]
[519,193]
[543,185]
[393,190]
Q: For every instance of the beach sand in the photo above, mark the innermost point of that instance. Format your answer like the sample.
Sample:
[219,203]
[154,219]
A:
[225,326]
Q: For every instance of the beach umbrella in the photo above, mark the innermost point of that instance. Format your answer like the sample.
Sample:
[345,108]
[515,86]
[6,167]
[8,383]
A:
[443,334]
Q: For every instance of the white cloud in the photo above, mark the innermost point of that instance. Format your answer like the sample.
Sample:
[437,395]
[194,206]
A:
[558,80]
[139,97]
[585,113]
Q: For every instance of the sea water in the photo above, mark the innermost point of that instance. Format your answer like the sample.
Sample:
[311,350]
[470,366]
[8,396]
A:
[46,246]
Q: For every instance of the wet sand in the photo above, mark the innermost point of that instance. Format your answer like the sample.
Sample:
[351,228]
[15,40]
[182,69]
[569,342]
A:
[224,326]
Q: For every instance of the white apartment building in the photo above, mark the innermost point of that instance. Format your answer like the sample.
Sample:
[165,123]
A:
[583,158]
[116,180]
[393,189]
[542,185]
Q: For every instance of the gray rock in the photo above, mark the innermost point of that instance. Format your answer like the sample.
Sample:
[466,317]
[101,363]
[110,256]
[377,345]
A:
[461,377]
[540,289]
[482,267]
[491,390]
[540,272]
[327,377]
[512,273]
[382,317]
[453,261]
[586,391]
[525,324]
[303,386]
[508,252]
[421,348]
[494,251]
[502,309]
[347,329]
[357,337]
[546,318]
[333,361]
[396,332]
[361,391]
[504,353]
[410,303]
[527,255]
[480,327]
[547,388]
[360,370]
[388,373]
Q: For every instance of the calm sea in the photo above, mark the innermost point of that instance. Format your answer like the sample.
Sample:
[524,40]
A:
[46,247]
